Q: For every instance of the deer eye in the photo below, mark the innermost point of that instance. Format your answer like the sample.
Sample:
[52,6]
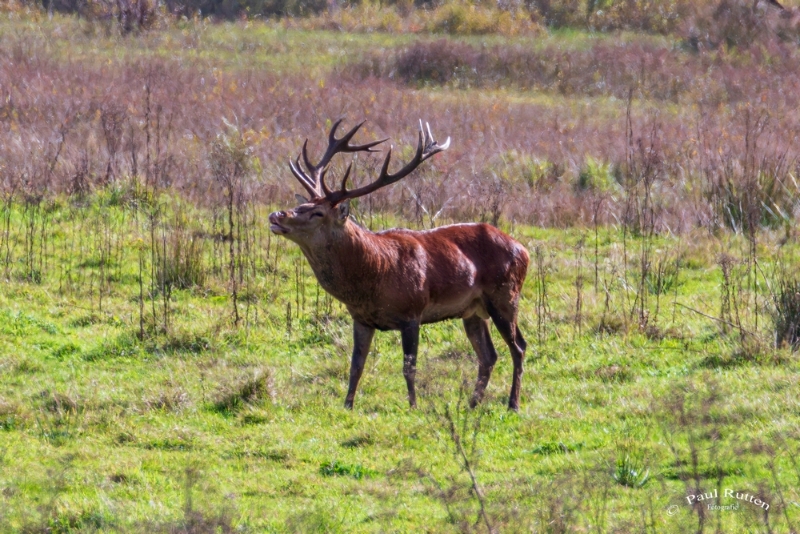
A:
[316,214]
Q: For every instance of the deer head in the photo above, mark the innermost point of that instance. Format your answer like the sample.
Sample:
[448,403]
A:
[329,209]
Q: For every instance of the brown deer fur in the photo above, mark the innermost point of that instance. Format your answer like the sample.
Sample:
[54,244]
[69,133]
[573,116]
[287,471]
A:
[400,279]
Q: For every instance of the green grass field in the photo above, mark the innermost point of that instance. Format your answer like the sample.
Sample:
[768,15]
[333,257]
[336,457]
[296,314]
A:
[205,425]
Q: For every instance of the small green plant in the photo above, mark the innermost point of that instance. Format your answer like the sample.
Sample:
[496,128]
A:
[630,468]
[10,416]
[123,346]
[66,350]
[59,419]
[20,324]
[630,471]
[337,468]
[665,278]
[552,447]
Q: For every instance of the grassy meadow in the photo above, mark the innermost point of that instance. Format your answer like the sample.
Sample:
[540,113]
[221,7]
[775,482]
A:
[168,365]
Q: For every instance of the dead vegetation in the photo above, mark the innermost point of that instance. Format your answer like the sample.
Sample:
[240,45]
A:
[728,165]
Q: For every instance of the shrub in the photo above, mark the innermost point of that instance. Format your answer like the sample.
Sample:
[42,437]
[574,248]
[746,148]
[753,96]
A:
[182,264]
[231,9]
[365,17]
[466,18]
[128,15]
[462,17]
[559,13]
[655,16]
[132,15]
[515,167]
[736,24]
[749,196]
[786,312]
[596,175]
[439,62]
[604,69]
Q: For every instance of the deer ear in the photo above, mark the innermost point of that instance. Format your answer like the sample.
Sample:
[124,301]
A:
[301,199]
[343,210]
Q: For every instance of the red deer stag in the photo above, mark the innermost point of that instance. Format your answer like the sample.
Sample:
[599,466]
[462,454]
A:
[400,279]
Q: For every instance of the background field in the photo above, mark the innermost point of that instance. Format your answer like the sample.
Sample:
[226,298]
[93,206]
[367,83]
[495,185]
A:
[170,366]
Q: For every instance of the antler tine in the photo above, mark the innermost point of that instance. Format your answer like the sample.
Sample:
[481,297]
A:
[345,139]
[325,190]
[385,166]
[430,143]
[366,147]
[426,147]
[343,188]
[311,168]
[302,177]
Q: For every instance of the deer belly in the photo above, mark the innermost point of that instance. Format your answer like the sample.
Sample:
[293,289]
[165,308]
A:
[460,307]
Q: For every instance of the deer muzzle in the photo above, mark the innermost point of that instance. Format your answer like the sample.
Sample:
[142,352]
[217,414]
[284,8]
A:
[275,225]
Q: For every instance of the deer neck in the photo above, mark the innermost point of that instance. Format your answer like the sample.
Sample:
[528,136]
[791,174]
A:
[346,261]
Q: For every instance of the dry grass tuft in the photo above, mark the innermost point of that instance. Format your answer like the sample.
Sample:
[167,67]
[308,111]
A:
[257,388]
[169,400]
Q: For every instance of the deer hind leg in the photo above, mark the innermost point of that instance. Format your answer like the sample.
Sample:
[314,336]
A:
[409,336]
[362,339]
[504,314]
[478,334]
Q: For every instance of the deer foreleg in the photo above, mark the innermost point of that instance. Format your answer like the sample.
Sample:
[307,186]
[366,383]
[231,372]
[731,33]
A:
[362,339]
[409,335]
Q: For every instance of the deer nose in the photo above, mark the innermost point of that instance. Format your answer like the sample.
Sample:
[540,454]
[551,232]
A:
[276,216]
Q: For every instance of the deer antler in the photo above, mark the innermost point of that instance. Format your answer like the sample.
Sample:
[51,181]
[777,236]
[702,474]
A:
[426,148]
[314,180]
